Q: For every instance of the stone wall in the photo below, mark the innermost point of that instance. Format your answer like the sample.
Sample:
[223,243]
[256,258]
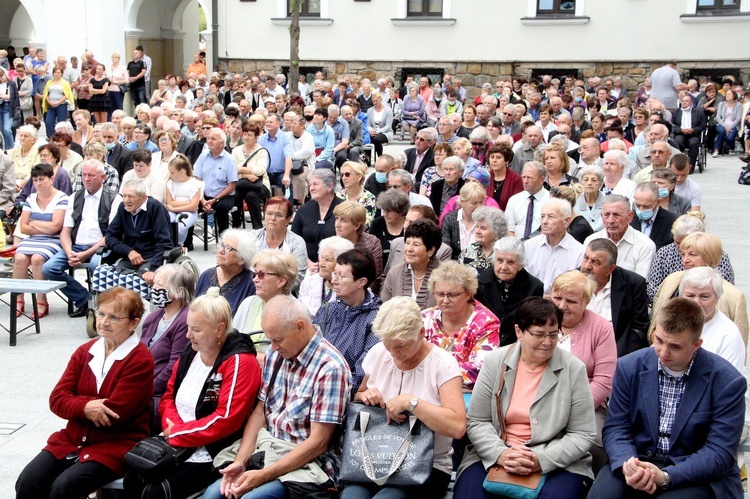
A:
[473,74]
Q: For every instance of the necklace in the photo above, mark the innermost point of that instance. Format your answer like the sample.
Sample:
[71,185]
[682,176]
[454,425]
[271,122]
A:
[498,184]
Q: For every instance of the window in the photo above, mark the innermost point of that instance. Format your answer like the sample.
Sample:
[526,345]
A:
[556,7]
[309,8]
[718,6]
[424,8]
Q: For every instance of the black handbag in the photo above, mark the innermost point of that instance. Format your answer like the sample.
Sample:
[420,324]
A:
[298,166]
[154,458]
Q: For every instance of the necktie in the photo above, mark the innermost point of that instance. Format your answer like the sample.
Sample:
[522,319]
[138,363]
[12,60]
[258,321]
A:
[529,218]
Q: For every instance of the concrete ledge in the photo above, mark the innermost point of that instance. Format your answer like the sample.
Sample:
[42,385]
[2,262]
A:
[423,21]
[303,21]
[550,20]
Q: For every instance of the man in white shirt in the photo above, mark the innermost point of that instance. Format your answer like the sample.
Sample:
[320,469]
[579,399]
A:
[635,251]
[402,180]
[554,251]
[524,210]
[685,186]
[590,155]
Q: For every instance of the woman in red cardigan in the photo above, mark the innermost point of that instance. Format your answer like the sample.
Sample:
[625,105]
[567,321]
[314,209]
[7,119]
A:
[211,392]
[104,394]
[504,182]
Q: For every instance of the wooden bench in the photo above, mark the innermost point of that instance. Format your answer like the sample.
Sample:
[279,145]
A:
[18,287]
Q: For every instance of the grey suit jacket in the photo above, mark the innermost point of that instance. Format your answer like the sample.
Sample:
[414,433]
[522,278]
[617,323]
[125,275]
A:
[355,132]
[563,426]
[384,125]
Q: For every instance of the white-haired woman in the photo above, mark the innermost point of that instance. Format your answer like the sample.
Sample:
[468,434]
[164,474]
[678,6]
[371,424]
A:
[459,226]
[614,181]
[403,373]
[489,226]
[231,275]
[208,399]
[589,206]
[317,287]
[448,186]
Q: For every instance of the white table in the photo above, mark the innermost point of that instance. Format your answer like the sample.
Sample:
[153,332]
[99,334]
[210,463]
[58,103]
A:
[18,287]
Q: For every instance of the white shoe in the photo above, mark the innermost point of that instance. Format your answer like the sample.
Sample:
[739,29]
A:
[715,154]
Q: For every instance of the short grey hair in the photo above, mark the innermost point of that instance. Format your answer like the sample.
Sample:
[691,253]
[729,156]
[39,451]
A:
[455,161]
[336,244]
[562,139]
[479,133]
[246,248]
[689,223]
[541,170]
[431,133]
[403,175]
[510,244]
[111,127]
[325,175]
[334,109]
[399,158]
[703,278]
[593,170]
[561,205]
[618,156]
[494,217]
[287,310]
[99,165]
[393,200]
[136,186]
[651,187]
[616,198]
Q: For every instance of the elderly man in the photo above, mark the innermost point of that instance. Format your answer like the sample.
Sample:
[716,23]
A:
[620,296]
[524,210]
[117,156]
[378,182]
[421,156]
[510,125]
[535,104]
[688,123]
[658,132]
[652,221]
[86,221]
[218,170]
[554,251]
[340,129]
[402,180]
[589,155]
[280,151]
[675,416]
[635,251]
[483,114]
[445,131]
[527,147]
[355,133]
[303,430]
[660,154]
[139,233]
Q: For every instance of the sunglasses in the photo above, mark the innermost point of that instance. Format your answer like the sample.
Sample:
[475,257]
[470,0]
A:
[260,274]
[347,174]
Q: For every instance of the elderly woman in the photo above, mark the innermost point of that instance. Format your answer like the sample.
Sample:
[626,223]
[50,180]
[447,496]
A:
[42,220]
[164,331]
[421,241]
[167,144]
[668,200]
[127,125]
[353,177]
[104,395]
[431,174]
[25,156]
[459,324]
[405,372]
[231,275]
[589,337]
[501,414]
[504,182]
[151,178]
[728,121]
[721,336]
[70,160]
[314,220]
[458,226]
[614,182]
[395,205]
[668,259]
[589,206]
[317,288]
[557,163]
[412,112]
[464,149]
[480,142]
[254,185]
[489,226]
[506,284]
[274,273]
[449,185]
[350,224]
[208,399]
[160,94]
[701,249]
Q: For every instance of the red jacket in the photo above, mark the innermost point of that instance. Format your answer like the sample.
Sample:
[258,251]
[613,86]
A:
[512,185]
[219,422]
[128,389]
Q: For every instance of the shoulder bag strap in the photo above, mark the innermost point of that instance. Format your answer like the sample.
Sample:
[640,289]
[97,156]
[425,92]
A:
[325,319]
[500,386]
[274,374]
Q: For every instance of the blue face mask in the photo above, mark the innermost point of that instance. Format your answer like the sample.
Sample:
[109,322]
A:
[110,146]
[663,192]
[578,99]
[381,178]
[644,215]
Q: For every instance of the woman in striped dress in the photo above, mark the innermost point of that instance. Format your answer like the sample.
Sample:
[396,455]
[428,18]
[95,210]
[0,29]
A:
[42,219]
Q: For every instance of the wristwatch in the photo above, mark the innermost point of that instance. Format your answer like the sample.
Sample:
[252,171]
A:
[413,404]
[667,481]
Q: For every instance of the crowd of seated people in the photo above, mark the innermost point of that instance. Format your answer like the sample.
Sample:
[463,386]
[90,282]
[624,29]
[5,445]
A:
[521,241]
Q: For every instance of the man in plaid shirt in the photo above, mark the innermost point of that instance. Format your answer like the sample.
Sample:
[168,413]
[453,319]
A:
[306,388]
[675,416]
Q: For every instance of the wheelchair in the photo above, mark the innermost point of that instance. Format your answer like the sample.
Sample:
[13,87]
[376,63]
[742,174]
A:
[173,255]
[701,161]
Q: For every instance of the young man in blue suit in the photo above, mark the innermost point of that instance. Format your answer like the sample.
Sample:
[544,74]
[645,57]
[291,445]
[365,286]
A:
[675,417]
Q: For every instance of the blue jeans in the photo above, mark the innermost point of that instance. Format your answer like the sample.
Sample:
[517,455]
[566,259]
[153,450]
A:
[6,122]
[55,115]
[138,95]
[721,135]
[116,99]
[56,269]
[270,490]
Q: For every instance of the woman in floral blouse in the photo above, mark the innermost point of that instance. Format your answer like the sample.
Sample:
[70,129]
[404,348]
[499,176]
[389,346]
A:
[353,177]
[489,226]
[459,324]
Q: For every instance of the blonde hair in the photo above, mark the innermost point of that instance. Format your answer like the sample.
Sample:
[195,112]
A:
[574,281]
[557,149]
[399,319]
[214,307]
[472,191]
[353,212]
[357,168]
[455,273]
[695,221]
[707,245]
[282,263]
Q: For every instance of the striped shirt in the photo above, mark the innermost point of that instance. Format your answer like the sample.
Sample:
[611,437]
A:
[311,388]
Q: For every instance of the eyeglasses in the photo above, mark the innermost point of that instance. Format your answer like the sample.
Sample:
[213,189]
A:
[395,186]
[541,336]
[112,319]
[226,248]
[275,215]
[260,274]
[509,114]
[347,174]
[477,144]
[207,128]
[165,139]
[339,277]
[450,296]
[421,139]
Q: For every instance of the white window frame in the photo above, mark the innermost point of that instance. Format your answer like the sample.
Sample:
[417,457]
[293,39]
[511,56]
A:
[402,20]
[579,17]
[282,19]
[691,14]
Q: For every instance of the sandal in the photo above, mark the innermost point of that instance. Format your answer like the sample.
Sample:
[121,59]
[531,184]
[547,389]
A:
[20,306]
[41,313]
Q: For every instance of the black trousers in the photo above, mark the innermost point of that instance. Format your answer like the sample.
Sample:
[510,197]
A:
[609,486]
[187,480]
[221,213]
[378,141]
[255,194]
[692,143]
[46,476]
[341,157]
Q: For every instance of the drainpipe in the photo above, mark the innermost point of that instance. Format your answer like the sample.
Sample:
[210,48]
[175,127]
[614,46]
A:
[215,33]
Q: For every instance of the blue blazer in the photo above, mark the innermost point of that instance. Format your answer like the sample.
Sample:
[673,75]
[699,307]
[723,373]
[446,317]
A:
[707,427]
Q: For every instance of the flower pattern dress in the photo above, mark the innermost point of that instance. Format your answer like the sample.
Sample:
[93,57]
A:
[429,177]
[469,346]
[366,199]
[474,257]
